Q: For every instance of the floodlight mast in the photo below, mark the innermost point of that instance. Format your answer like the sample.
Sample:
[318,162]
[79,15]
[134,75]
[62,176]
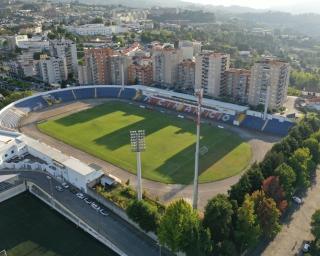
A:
[199,94]
[137,139]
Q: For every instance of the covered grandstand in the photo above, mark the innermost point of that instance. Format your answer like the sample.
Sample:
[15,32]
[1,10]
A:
[233,114]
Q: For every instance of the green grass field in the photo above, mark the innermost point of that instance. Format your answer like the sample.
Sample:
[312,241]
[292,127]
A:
[103,131]
[29,228]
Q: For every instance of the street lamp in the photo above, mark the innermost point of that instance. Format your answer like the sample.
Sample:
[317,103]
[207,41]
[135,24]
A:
[199,94]
[137,139]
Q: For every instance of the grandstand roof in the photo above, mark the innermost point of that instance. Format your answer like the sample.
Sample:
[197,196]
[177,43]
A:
[206,102]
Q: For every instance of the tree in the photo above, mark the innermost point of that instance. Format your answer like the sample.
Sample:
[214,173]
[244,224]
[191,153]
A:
[313,145]
[273,189]
[144,214]
[248,230]
[287,178]
[180,229]
[218,217]
[255,177]
[267,213]
[300,163]
[240,189]
[272,160]
[315,224]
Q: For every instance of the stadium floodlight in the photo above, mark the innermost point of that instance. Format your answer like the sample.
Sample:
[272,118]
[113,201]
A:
[199,94]
[137,139]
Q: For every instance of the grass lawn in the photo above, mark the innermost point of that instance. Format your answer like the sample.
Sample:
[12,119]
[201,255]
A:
[103,131]
[29,227]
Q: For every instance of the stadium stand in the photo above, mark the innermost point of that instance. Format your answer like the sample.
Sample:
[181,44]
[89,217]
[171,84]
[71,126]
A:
[32,104]
[85,93]
[5,186]
[252,122]
[63,96]
[212,109]
[277,127]
[128,93]
[107,92]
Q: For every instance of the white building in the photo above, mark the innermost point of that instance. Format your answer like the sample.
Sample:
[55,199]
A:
[269,83]
[19,151]
[210,72]
[90,30]
[65,49]
[52,69]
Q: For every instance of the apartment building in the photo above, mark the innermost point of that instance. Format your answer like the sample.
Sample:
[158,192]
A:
[210,72]
[269,83]
[96,61]
[186,74]
[118,68]
[52,69]
[237,84]
[67,49]
[165,65]
[140,71]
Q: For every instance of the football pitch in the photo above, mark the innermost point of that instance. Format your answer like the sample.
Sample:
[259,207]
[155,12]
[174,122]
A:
[103,131]
[29,228]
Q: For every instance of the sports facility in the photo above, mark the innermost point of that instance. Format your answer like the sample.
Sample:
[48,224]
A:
[232,136]
[28,227]
[103,131]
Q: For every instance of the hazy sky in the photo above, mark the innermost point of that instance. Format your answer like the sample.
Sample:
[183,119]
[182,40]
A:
[257,3]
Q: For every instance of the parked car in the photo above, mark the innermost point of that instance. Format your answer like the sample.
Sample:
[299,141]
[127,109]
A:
[80,195]
[297,200]
[306,246]
[59,188]
[87,200]
[103,212]
[65,185]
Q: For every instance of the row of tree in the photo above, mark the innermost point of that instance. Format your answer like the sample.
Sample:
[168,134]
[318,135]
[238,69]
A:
[234,223]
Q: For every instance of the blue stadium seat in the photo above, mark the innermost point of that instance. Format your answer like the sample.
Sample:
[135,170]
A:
[274,126]
[128,93]
[64,96]
[107,92]
[84,93]
[32,103]
[252,122]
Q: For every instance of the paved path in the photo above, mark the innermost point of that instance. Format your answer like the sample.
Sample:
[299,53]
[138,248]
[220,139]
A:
[123,235]
[290,239]
[260,144]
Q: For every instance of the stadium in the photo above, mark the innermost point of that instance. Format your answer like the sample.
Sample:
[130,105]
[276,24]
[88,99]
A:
[80,126]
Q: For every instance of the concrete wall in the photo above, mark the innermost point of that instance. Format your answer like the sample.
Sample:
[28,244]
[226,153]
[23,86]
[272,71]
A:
[7,194]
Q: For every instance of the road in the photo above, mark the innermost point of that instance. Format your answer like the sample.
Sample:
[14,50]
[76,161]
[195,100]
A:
[119,232]
[289,241]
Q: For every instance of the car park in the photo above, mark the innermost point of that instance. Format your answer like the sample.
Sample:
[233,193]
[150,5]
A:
[59,188]
[297,200]
[95,207]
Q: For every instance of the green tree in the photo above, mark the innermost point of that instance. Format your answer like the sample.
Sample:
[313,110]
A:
[180,229]
[218,217]
[248,230]
[300,162]
[315,224]
[238,191]
[255,177]
[267,213]
[313,145]
[144,214]
[287,178]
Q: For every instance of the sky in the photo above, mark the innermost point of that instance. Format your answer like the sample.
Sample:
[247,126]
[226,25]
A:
[258,4]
